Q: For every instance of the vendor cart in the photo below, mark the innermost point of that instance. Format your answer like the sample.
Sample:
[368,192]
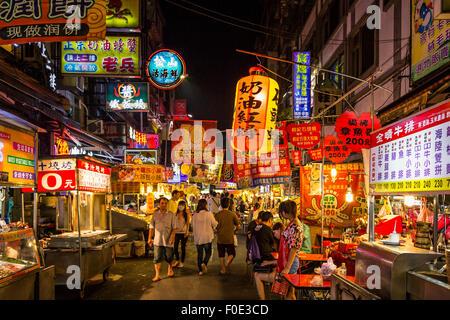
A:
[78,188]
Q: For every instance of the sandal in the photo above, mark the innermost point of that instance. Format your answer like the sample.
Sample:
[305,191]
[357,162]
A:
[156,279]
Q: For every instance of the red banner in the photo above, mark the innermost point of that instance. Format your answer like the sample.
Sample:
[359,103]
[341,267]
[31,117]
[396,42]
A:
[304,135]
[297,157]
[335,150]
[316,154]
[354,131]
[336,210]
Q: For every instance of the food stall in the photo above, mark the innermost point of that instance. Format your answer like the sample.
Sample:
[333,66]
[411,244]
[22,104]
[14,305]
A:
[134,184]
[408,158]
[77,189]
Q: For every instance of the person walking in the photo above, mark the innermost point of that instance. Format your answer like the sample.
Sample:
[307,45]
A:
[173,203]
[290,243]
[183,219]
[228,223]
[203,226]
[163,227]
[214,203]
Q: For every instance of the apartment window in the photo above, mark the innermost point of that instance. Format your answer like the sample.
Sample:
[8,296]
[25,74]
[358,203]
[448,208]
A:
[331,19]
[362,49]
[338,66]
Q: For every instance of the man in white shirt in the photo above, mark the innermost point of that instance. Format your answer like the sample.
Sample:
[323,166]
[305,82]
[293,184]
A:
[163,227]
[214,203]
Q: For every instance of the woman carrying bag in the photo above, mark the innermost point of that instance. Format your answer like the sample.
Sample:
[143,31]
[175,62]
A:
[290,244]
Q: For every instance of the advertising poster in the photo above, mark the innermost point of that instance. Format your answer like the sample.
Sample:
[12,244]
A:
[336,210]
[146,173]
[141,156]
[122,14]
[16,156]
[429,39]
[205,173]
[127,96]
[413,155]
[272,170]
[118,56]
[93,177]
[51,20]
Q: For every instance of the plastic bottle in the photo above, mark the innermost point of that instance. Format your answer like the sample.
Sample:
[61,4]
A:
[343,270]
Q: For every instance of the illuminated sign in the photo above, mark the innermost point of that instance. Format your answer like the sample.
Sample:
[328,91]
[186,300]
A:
[141,156]
[122,13]
[16,156]
[24,21]
[165,69]
[127,96]
[62,147]
[93,177]
[429,40]
[413,155]
[302,81]
[56,175]
[140,140]
[118,56]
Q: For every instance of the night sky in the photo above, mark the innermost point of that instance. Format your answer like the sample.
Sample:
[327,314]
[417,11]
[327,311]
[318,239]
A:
[208,47]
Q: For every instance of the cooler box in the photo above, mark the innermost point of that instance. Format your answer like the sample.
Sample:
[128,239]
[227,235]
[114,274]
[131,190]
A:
[123,249]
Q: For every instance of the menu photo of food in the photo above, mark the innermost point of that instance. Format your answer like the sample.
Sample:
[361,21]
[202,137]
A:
[126,174]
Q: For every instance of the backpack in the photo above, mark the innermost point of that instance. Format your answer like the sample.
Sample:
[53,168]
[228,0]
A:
[253,253]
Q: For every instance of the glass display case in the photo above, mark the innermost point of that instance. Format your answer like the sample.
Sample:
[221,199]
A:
[18,254]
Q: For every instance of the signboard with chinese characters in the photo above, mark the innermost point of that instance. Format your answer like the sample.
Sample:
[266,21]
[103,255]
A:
[304,135]
[255,110]
[62,147]
[57,175]
[296,157]
[335,150]
[141,140]
[413,155]
[122,13]
[336,210]
[354,131]
[205,173]
[24,21]
[272,168]
[429,40]
[118,56]
[16,157]
[127,96]
[166,69]
[316,154]
[180,107]
[93,176]
[141,156]
[146,173]
[301,86]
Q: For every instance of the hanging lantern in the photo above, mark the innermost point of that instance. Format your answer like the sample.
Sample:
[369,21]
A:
[255,112]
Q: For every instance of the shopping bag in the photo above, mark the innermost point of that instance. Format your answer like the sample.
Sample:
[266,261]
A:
[283,254]
[280,286]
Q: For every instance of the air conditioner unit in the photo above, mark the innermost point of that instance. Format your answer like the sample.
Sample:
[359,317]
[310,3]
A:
[96,127]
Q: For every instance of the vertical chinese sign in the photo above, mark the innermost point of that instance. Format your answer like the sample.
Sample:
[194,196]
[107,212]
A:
[118,56]
[413,155]
[302,82]
[16,157]
[429,40]
[255,110]
[24,21]
[126,96]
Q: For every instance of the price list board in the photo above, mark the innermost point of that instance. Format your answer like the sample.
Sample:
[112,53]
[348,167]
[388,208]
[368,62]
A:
[413,155]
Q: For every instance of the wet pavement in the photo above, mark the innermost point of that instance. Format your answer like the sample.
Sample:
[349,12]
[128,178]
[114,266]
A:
[132,279]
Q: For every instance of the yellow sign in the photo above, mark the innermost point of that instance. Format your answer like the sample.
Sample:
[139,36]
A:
[122,14]
[439,184]
[16,157]
[118,56]
[429,39]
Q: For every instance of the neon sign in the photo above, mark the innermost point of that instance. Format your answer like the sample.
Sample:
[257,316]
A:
[165,69]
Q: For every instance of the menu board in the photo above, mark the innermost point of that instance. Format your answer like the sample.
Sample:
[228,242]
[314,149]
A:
[413,155]
[16,157]
[56,175]
[138,173]
[93,177]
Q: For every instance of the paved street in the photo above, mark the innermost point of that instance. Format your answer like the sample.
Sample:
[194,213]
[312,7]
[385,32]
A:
[131,279]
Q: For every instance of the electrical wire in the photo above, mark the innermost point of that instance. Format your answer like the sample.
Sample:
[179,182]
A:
[227,22]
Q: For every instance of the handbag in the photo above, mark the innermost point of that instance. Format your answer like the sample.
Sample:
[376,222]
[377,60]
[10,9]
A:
[280,285]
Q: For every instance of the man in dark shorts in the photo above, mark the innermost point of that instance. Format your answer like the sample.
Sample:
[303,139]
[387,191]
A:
[227,224]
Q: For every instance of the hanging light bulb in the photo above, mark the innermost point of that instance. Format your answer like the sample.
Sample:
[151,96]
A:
[333,172]
[349,194]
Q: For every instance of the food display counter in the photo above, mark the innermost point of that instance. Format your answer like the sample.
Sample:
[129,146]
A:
[394,263]
[19,264]
[130,223]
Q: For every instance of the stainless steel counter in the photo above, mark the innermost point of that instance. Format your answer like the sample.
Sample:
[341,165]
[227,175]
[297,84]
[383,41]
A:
[393,262]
